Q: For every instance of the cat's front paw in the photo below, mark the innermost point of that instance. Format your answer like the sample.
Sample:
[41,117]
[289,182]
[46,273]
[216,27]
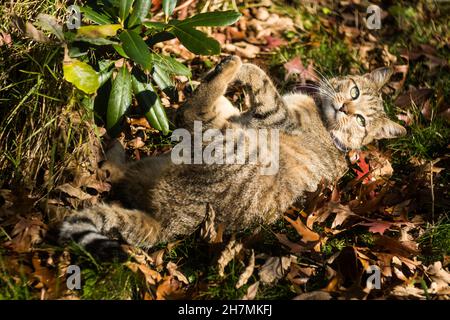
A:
[230,64]
[226,69]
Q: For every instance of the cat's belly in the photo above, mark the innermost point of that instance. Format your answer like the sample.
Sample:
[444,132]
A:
[240,197]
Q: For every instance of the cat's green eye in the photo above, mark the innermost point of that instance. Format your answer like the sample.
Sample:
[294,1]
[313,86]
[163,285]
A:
[361,121]
[354,92]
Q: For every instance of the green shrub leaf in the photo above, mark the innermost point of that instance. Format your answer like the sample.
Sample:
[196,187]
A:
[103,31]
[119,99]
[105,71]
[135,48]
[162,79]
[81,75]
[155,25]
[210,19]
[168,6]
[75,52]
[96,16]
[159,37]
[149,101]
[196,41]
[140,11]
[120,51]
[170,65]
[124,9]
[96,41]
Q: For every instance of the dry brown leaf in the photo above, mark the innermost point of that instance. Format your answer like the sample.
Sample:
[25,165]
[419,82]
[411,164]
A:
[380,166]
[403,70]
[27,232]
[243,49]
[440,277]
[395,247]
[408,290]
[70,190]
[138,254]
[151,276]
[396,267]
[91,183]
[174,272]
[229,253]
[251,291]
[430,53]
[414,97]
[243,278]
[169,289]
[48,279]
[348,267]
[294,247]
[300,275]
[274,269]
[27,29]
[5,39]
[157,258]
[261,13]
[295,66]
[274,42]
[377,226]
[384,263]
[141,122]
[307,234]
[174,46]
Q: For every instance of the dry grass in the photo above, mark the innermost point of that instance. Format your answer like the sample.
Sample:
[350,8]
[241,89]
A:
[42,127]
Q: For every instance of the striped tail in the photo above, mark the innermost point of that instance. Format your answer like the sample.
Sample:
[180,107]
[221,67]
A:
[102,229]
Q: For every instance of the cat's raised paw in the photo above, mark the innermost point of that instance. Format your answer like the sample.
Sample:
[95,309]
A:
[226,69]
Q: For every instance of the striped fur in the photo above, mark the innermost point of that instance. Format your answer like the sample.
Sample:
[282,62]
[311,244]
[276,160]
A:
[162,201]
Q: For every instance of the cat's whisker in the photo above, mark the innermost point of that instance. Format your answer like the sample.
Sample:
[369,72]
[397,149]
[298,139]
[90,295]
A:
[324,80]
[322,90]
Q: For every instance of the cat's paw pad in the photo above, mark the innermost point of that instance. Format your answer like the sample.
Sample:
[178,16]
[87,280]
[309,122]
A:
[230,64]
[226,68]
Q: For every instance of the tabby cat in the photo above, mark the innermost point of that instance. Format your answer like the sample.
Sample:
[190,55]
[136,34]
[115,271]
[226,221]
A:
[162,200]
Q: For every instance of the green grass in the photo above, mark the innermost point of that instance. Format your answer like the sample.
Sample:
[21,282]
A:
[13,287]
[282,290]
[112,282]
[37,138]
[435,242]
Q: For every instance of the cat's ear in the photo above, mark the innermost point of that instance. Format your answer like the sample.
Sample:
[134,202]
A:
[389,129]
[380,76]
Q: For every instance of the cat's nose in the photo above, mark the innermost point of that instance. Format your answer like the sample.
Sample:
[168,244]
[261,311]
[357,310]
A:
[343,109]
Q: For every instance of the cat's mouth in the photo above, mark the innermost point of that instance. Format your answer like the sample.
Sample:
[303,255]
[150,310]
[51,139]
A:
[338,143]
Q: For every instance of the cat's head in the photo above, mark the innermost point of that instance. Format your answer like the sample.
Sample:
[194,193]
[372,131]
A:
[353,109]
